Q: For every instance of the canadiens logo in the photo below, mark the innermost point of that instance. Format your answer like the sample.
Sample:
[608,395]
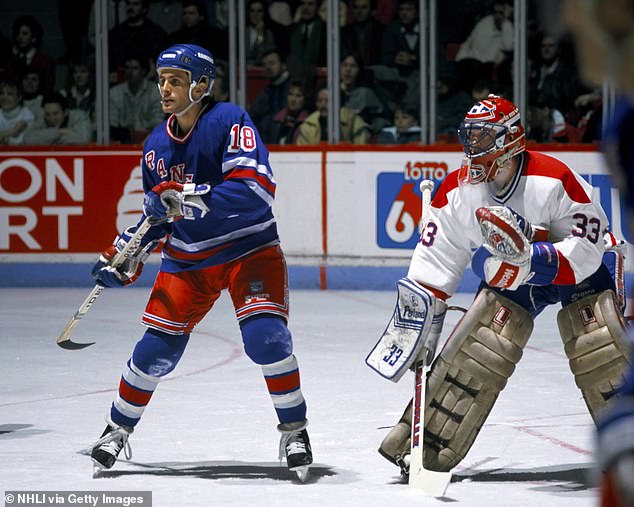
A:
[484,110]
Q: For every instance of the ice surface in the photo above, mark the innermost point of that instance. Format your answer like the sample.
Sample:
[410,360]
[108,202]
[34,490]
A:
[208,437]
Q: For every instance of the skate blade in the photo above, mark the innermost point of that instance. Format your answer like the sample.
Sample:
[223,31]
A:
[97,469]
[302,473]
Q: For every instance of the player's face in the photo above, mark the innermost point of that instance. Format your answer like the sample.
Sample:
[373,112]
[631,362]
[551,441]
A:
[174,87]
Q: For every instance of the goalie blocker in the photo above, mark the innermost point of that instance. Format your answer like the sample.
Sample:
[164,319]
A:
[413,330]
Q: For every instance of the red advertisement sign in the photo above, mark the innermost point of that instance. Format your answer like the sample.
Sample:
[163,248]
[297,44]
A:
[62,201]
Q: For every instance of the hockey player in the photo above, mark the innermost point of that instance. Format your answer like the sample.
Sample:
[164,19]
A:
[603,32]
[538,235]
[207,167]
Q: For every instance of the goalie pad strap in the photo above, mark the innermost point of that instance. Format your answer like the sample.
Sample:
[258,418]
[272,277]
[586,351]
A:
[596,345]
[469,373]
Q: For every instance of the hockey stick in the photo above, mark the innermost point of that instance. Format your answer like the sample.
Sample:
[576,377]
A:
[63,340]
[429,482]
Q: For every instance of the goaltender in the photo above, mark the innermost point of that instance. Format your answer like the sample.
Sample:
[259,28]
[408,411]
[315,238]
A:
[540,238]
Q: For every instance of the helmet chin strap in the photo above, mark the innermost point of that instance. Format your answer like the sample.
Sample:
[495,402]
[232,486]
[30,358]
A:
[193,101]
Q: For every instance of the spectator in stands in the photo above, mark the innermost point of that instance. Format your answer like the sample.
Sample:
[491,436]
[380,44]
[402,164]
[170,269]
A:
[400,71]
[364,34]
[284,128]
[307,42]
[280,11]
[220,91]
[385,11]
[451,110]
[489,45]
[136,33]
[584,122]
[401,41]
[545,123]
[314,130]
[405,129]
[135,106]
[59,125]
[31,93]
[273,97]
[554,77]
[357,93]
[14,117]
[28,54]
[259,32]
[167,14]
[218,11]
[197,30]
[80,90]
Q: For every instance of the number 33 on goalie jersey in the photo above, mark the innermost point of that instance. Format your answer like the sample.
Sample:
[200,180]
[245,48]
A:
[224,149]
[544,191]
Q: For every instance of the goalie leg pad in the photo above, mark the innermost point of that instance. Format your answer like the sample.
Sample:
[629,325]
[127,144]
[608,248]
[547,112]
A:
[596,344]
[468,375]
[396,444]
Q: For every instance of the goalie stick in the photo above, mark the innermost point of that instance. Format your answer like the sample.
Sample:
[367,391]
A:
[64,340]
[431,483]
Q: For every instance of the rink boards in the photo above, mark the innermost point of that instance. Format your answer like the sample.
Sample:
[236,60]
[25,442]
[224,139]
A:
[347,217]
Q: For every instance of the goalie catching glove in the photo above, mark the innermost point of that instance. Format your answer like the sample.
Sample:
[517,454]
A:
[171,199]
[129,270]
[506,258]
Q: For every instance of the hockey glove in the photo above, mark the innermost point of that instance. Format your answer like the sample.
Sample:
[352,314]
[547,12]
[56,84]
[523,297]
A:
[170,199]
[539,267]
[532,232]
[127,272]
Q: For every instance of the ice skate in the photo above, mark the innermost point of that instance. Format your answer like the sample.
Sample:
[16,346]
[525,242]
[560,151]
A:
[295,445]
[104,452]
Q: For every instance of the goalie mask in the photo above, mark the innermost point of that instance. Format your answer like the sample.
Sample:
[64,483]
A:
[492,134]
[198,62]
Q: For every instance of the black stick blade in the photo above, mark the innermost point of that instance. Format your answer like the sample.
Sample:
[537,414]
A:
[71,345]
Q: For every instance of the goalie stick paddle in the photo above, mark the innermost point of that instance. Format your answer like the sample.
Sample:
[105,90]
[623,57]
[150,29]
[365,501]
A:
[431,483]
[64,340]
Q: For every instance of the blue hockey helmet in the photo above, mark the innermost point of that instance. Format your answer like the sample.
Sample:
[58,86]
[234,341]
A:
[198,62]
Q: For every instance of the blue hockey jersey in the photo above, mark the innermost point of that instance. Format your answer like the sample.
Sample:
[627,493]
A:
[223,149]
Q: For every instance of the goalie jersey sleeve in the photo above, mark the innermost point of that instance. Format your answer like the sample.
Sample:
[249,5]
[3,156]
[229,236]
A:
[443,251]
[224,149]
[544,190]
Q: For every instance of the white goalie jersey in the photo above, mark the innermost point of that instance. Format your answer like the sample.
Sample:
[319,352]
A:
[544,191]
